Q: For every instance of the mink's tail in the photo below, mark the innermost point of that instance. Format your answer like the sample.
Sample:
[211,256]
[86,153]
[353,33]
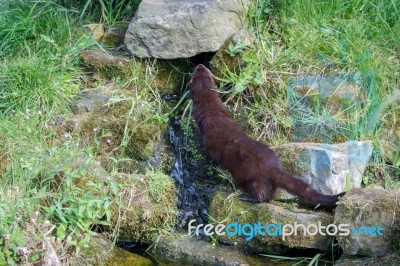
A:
[305,193]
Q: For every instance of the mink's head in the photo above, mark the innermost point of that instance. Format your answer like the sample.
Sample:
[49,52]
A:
[202,79]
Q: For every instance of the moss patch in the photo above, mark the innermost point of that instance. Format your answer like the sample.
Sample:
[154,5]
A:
[147,206]
[142,143]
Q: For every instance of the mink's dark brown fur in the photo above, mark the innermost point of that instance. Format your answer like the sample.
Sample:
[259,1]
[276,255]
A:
[255,168]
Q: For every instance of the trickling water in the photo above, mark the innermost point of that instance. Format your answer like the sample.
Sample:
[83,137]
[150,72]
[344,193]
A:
[194,187]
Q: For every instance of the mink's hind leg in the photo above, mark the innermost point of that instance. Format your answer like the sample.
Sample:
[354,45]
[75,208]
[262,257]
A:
[259,190]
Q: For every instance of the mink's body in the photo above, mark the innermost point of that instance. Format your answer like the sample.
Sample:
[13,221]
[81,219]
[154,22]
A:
[255,168]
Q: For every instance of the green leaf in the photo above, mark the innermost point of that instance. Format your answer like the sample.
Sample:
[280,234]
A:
[61,232]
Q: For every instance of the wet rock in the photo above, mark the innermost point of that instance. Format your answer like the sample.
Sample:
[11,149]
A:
[147,206]
[197,251]
[120,257]
[181,29]
[328,168]
[90,101]
[227,208]
[363,209]
[96,30]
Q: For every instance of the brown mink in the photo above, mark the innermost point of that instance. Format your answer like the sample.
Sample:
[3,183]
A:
[255,168]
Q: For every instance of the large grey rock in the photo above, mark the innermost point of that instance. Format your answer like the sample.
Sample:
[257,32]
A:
[363,209]
[227,209]
[328,168]
[183,28]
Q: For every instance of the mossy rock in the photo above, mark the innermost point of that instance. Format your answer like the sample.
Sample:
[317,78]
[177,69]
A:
[362,209]
[114,37]
[334,95]
[165,76]
[228,208]
[96,254]
[90,101]
[107,65]
[143,141]
[112,135]
[79,166]
[147,206]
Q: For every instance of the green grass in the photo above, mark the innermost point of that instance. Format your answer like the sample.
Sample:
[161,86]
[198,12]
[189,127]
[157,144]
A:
[40,74]
[306,38]
[39,59]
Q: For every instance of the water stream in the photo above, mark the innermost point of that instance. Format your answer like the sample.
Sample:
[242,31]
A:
[195,187]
